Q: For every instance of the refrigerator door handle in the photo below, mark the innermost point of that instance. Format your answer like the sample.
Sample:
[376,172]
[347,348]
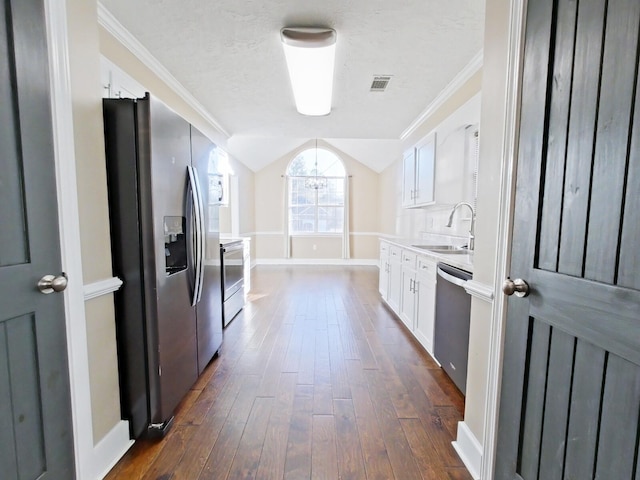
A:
[197,234]
[202,234]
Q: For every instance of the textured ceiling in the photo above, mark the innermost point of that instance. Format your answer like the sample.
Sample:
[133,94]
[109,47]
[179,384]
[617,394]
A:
[227,54]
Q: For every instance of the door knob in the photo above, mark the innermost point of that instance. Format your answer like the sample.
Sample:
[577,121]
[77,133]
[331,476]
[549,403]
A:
[517,286]
[51,283]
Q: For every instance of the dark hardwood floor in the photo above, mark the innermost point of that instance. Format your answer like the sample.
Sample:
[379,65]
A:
[315,379]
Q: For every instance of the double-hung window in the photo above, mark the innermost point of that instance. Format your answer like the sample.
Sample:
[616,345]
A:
[316,193]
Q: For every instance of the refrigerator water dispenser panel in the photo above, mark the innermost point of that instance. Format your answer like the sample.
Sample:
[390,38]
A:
[175,244]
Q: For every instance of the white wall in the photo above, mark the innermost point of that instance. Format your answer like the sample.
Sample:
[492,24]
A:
[84,69]
[270,205]
[492,162]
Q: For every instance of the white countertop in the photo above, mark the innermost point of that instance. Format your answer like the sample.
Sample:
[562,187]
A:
[465,262]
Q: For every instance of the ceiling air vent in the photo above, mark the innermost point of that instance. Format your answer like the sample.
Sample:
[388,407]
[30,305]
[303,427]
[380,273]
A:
[380,83]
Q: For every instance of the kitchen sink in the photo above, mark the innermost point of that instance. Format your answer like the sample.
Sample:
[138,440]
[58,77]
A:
[436,247]
[450,251]
[446,249]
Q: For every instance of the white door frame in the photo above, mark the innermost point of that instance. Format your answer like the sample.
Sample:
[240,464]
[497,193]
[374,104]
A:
[92,461]
[89,462]
[511,116]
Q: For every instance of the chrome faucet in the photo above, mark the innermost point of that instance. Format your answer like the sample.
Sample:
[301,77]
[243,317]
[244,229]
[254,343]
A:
[472,237]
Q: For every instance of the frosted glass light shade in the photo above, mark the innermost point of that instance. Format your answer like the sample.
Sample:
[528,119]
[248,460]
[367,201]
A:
[310,55]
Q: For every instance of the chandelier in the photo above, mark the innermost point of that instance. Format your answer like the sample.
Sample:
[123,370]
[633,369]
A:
[315,182]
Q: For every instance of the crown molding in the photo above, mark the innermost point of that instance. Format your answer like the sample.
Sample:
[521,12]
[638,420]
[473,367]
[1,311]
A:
[115,28]
[470,69]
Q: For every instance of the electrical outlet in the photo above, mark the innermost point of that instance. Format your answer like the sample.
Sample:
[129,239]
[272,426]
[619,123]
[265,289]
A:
[315,247]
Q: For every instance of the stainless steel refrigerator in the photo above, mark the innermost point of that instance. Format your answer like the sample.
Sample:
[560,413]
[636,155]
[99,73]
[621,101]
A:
[164,195]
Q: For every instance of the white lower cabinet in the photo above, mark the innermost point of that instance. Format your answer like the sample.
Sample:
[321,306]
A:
[408,284]
[426,303]
[408,304]
[395,278]
[383,284]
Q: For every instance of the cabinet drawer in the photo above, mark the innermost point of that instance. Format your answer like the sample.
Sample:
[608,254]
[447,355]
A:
[394,253]
[384,249]
[426,266]
[409,259]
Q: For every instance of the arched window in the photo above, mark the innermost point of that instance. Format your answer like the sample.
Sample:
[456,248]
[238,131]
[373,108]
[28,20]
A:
[316,193]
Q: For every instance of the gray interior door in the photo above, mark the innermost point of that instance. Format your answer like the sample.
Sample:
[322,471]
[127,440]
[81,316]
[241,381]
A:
[35,414]
[571,377]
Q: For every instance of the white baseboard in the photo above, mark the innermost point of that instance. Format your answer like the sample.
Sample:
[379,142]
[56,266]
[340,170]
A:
[469,450]
[110,449]
[373,262]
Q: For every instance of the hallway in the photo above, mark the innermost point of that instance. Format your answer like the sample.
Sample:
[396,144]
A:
[315,379]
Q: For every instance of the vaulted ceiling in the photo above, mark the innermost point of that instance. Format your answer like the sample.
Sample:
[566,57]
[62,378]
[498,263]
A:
[227,54]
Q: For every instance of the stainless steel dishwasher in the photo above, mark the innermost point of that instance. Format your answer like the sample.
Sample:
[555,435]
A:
[453,309]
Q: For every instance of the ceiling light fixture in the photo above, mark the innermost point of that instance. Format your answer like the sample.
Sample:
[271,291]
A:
[316,182]
[310,55]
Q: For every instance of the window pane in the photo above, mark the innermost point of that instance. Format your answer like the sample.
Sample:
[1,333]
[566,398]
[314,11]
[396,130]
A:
[330,219]
[300,195]
[311,210]
[329,164]
[300,166]
[333,194]
[302,221]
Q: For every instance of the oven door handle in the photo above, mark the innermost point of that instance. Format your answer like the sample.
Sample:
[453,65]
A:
[198,236]
[232,248]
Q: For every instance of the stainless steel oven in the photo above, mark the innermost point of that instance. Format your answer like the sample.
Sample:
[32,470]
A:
[232,259]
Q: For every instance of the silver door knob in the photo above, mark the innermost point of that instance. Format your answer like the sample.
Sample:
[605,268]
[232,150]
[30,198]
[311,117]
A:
[517,286]
[51,283]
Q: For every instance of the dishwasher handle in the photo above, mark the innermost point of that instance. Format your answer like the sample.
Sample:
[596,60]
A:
[450,278]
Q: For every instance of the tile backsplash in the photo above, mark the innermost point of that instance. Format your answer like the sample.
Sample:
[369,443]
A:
[418,223]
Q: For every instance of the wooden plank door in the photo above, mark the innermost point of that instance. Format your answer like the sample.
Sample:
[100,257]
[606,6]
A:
[35,413]
[570,397]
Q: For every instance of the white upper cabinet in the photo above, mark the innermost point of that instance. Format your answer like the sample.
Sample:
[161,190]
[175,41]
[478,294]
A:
[409,178]
[419,173]
[116,83]
[425,170]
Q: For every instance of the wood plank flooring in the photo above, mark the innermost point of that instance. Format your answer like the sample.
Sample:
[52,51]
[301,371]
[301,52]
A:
[316,379]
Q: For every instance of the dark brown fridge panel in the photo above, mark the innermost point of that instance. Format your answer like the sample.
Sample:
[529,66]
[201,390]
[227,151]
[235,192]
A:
[148,149]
